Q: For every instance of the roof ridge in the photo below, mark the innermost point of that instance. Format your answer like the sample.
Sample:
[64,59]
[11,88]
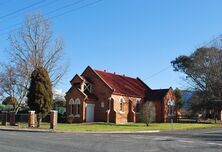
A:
[95,71]
[143,83]
[123,75]
[160,89]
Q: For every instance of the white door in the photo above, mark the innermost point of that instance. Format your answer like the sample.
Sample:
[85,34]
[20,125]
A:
[90,112]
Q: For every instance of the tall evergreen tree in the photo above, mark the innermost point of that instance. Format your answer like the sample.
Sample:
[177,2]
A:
[40,93]
[179,98]
[203,72]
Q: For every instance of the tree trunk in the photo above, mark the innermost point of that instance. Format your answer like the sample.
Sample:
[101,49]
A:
[39,121]
[215,117]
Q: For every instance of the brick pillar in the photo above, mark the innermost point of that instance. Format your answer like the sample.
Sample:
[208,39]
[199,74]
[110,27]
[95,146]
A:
[108,110]
[131,115]
[53,119]
[12,118]
[31,119]
[4,118]
[220,115]
[112,114]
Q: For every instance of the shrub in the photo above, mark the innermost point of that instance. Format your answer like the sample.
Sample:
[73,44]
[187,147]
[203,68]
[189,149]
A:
[70,118]
[40,93]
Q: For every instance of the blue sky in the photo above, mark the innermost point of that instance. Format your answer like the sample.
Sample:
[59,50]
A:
[137,38]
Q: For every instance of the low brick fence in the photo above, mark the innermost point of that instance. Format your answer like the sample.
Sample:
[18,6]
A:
[10,118]
[187,119]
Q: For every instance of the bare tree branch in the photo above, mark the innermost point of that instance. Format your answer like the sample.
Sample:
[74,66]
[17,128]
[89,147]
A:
[32,46]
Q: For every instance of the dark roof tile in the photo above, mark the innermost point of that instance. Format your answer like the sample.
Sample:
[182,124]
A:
[124,85]
[156,95]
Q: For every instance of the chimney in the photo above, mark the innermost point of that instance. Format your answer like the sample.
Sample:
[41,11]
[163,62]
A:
[124,75]
[104,70]
[114,73]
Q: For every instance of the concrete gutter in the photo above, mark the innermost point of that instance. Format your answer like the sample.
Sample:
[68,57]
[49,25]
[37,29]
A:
[109,132]
[17,129]
[26,129]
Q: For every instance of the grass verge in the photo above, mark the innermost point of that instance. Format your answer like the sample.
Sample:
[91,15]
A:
[104,127]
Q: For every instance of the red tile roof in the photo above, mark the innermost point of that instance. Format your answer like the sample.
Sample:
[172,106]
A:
[124,85]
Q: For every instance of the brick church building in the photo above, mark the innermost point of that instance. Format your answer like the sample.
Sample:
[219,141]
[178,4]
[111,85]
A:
[100,96]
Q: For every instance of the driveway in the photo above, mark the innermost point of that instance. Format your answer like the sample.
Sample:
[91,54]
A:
[206,140]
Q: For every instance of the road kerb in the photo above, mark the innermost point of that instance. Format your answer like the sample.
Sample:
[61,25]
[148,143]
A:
[83,132]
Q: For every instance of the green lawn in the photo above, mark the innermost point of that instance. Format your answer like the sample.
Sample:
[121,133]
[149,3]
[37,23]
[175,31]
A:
[100,127]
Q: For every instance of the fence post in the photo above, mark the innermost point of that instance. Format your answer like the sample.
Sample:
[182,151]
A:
[53,119]
[220,115]
[4,118]
[12,118]
[31,119]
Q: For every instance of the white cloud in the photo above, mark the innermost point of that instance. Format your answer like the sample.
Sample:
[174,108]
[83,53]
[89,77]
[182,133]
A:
[58,94]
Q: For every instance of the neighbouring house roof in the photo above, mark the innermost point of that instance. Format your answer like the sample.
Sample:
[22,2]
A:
[157,94]
[124,85]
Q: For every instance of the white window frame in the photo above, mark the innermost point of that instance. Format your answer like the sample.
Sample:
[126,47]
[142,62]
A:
[122,104]
[77,103]
[71,103]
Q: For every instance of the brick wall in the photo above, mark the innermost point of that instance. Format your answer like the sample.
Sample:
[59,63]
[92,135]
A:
[107,101]
[100,89]
[128,115]
[170,95]
[103,93]
[74,94]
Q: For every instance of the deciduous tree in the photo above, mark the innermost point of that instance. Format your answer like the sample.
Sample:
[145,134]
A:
[31,46]
[148,112]
[10,101]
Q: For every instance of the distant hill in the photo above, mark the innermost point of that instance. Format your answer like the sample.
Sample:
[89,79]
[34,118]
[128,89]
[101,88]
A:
[186,96]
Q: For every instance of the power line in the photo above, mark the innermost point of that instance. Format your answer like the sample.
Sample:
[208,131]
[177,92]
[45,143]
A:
[65,6]
[48,13]
[162,70]
[19,23]
[211,41]
[22,9]
[76,9]
[18,15]
[56,16]
[166,68]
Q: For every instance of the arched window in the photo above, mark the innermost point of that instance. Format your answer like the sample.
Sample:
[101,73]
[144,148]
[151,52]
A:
[77,102]
[71,103]
[122,104]
[137,106]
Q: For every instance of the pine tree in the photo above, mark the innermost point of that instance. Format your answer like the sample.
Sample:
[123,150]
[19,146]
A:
[40,93]
[179,98]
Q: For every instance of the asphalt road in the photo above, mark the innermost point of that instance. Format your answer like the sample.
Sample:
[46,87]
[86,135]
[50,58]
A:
[209,140]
